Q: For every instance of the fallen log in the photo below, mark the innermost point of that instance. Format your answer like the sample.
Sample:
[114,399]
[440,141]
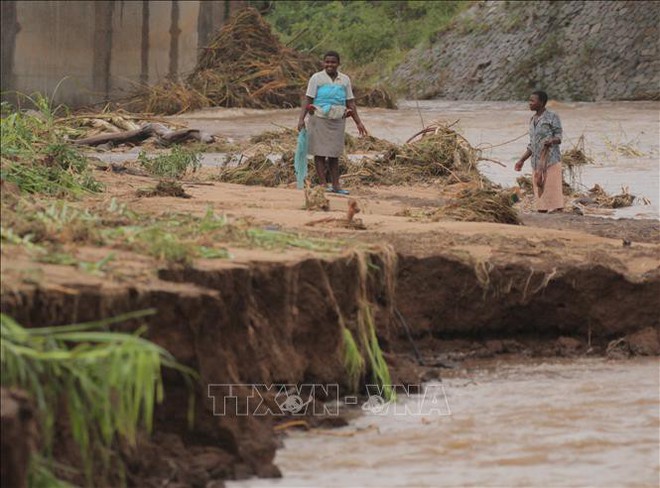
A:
[131,136]
[164,135]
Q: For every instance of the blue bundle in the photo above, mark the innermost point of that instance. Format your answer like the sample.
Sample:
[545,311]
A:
[328,96]
[300,160]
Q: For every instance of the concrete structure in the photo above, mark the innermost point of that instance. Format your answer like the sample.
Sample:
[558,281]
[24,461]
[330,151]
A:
[94,51]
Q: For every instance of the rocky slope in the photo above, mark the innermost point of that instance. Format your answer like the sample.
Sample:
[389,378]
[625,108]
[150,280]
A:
[579,50]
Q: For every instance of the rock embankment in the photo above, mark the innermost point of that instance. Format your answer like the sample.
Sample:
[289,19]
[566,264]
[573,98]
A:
[579,50]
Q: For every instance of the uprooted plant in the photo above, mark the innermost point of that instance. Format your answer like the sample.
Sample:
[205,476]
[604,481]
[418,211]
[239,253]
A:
[363,341]
[35,155]
[175,164]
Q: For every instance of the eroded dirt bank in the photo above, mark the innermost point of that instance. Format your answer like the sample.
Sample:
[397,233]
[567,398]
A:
[255,323]
[273,317]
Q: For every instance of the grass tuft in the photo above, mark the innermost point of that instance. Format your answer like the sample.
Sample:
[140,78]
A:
[173,165]
[110,383]
[35,156]
[353,360]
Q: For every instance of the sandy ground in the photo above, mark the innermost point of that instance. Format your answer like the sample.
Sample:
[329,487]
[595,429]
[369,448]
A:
[543,237]
[282,209]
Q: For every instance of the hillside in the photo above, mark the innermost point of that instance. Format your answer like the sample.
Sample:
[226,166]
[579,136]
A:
[583,51]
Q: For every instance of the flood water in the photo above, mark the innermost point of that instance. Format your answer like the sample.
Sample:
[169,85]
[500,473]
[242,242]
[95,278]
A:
[560,423]
[621,137]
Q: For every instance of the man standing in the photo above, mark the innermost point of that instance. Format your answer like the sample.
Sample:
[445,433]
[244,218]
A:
[329,100]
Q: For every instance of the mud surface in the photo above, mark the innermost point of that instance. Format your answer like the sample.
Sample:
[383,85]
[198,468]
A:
[19,436]
[631,230]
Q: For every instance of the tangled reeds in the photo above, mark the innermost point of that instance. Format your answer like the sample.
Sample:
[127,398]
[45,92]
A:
[260,170]
[576,156]
[285,140]
[595,198]
[440,154]
[437,155]
[374,97]
[367,143]
[315,198]
[486,204]
[245,65]
[603,200]
[167,97]
[164,188]
[573,160]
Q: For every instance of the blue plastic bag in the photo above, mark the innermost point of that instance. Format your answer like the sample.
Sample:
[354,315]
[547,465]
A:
[300,160]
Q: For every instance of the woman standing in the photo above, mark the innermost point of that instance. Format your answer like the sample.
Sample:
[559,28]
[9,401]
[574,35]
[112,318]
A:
[329,100]
[544,139]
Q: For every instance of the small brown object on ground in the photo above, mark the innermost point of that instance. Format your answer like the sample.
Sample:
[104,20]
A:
[165,188]
[315,198]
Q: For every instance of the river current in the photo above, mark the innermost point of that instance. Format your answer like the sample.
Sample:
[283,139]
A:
[557,423]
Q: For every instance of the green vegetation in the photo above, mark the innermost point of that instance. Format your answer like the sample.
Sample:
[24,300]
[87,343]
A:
[110,382]
[46,231]
[35,155]
[353,360]
[173,165]
[380,372]
[371,37]
[367,342]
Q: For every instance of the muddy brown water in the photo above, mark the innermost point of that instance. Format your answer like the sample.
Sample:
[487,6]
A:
[586,422]
[621,137]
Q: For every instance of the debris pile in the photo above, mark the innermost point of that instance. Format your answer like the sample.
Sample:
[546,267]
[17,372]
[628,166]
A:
[595,200]
[164,188]
[315,198]
[603,200]
[244,65]
[486,204]
[261,170]
[572,161]
[437,155]
[106,130]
